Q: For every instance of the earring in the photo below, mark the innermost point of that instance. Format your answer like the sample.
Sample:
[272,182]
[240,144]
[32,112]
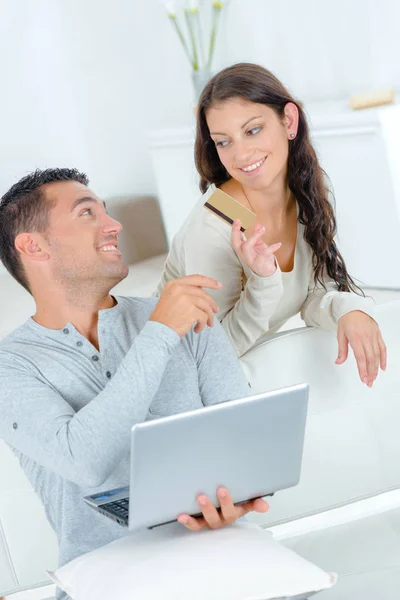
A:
[292,136]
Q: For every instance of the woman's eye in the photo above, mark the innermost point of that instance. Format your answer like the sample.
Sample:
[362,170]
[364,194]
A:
[221,143]
[254,130]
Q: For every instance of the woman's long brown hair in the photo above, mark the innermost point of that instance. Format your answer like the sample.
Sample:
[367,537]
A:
[306,178]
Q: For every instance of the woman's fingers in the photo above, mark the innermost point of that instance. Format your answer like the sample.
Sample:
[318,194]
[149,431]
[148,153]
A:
[364,336]
[361,360]
[241,243]
[372,363]
[253,251]
[382,352]
[274,248]
[236,235]
[343,350]
[256,245]
[369,353]
[259,231]
[367,358]
[377,355]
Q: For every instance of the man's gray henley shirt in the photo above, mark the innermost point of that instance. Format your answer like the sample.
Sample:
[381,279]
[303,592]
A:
[67,409]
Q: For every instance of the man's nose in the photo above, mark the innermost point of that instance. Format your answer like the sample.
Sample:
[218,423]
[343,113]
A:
[111,225]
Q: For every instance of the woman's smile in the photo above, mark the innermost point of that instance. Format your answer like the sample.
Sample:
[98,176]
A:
[253,168]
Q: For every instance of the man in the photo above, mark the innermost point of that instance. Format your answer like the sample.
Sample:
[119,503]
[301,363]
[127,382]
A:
[87,366]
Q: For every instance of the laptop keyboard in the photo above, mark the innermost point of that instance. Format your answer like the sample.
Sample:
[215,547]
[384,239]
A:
[118,510]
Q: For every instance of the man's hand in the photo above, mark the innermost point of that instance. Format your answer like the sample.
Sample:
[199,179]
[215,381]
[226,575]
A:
[183,303]
[364,336]
[255,253]
[228,514]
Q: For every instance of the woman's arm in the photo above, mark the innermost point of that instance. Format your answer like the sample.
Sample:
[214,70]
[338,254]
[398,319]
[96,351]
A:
[324,307]
[245,308]
[353,316]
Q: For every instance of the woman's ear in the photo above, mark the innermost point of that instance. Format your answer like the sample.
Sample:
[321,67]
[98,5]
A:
[291,120]
[31,246]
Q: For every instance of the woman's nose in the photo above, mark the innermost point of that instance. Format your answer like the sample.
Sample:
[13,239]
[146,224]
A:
[243,152]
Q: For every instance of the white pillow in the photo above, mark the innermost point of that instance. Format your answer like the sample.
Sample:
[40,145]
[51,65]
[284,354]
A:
[240,562]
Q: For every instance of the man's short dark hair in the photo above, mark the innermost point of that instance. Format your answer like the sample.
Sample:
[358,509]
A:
[25,208]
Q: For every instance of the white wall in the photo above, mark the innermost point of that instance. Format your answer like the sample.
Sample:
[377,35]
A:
[82,81]
[322,50]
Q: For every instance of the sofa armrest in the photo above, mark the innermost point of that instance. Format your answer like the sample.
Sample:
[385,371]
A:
[270,338]
[352,444]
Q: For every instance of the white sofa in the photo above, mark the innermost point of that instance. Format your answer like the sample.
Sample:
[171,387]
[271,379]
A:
[345,513]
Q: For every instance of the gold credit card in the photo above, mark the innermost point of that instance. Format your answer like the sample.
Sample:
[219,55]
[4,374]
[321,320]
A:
[228,209]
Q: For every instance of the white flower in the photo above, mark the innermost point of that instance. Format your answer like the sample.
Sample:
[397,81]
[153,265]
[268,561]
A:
[170,6]
[192,5]
[191,36]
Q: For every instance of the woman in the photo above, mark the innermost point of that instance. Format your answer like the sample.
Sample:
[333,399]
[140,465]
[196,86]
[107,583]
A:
[253,144]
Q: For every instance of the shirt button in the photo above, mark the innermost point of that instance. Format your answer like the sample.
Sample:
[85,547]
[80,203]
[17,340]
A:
[95,358]
[65,330]
[79,344]
[108,374]
[15,425]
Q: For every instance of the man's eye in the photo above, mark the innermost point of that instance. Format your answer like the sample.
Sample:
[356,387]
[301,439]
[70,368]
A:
[254,130]
[87,211]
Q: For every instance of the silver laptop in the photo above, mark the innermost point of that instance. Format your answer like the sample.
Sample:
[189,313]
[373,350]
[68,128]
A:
[252,446]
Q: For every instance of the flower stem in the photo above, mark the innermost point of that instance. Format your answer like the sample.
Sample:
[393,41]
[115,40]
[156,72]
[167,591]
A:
[200,40]
[175,24]
[189,15]
[217,7]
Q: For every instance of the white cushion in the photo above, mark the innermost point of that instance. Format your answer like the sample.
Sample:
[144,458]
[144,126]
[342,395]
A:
[240,562]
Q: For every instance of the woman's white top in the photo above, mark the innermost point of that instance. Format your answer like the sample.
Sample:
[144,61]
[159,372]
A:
[251,306]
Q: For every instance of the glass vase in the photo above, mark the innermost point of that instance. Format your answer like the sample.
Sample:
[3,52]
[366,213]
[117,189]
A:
[200,78]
